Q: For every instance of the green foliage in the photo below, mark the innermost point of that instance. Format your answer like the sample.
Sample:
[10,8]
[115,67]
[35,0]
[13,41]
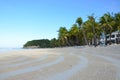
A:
[79,21]
[74,35]
[117,20]
[63,36]
[109,24]
[81,33]
[43,43]
[54,43]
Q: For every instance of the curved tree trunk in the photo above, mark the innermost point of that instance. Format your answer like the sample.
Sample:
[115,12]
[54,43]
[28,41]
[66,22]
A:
[110,36]
[110,39]
[105,39]
[86,42]
[95,42]
[118,40]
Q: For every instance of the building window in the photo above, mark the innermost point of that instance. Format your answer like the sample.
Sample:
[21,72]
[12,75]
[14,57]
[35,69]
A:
[118,35]
[107,37]
[113,36]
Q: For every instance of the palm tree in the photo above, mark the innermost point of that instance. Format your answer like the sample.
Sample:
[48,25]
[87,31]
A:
[107,23]
[80,23]
[103,25]
[54,42]
[89,33]
[63,36]
[117,20]
[109,19]
[74,33]
[92,22]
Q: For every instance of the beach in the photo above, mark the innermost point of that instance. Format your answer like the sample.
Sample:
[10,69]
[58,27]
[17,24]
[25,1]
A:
[68,63]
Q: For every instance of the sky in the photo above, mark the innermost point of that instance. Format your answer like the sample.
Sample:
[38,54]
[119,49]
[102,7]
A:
[25,20]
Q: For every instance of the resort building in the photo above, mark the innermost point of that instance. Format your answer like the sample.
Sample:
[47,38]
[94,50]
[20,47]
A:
[115,38]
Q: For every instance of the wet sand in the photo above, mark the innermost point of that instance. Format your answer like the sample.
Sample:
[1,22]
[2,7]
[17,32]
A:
[70,63]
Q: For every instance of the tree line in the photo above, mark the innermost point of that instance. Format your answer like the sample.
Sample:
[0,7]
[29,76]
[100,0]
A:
[82,33]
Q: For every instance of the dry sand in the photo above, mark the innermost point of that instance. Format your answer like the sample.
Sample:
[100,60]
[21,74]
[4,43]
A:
[70,63]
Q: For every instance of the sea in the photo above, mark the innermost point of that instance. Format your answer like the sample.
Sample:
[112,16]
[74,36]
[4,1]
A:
[2,50]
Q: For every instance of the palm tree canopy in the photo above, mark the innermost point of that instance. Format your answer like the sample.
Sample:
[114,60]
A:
[62,32]
[79,21]
[117,20]
[74,30]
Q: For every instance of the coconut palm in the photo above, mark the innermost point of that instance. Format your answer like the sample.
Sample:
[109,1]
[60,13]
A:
[54,43]
[104,27]
[107,23]
[109,19]
[63,36]
[117,20]
[74,33]
[80,23]
[89,34]
[91,21]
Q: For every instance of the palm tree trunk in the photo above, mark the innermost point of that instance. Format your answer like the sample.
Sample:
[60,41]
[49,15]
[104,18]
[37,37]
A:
[110,39]
[105,39]
[86,42]
[66,41]
[78,42]
[95,43]
[118,40]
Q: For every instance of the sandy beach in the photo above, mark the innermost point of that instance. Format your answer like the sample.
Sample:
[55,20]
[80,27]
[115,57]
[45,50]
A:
[70,63]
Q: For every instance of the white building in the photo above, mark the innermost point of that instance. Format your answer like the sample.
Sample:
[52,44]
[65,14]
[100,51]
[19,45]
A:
[115,38]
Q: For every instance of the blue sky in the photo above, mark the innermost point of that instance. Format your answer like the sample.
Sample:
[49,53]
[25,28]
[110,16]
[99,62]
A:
[24,20]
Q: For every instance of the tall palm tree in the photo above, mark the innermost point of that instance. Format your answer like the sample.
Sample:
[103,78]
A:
[104,27]
[63,36]
[117,20]
[107,23]
[54,42]
[91,20]
[74,33]
[89,33]
[80,23]
[110,23]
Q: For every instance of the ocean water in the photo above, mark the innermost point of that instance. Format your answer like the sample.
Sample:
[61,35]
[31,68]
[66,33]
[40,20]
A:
[2,50]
